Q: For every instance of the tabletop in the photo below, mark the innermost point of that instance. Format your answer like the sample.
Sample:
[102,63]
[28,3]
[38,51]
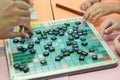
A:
[47,11]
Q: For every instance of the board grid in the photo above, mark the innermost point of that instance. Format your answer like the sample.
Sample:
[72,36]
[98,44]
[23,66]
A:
[58,47]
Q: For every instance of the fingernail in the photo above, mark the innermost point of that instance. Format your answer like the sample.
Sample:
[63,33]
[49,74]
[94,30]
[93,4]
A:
[84,20]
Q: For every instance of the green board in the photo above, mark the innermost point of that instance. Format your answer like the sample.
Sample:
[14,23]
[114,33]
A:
[57,48]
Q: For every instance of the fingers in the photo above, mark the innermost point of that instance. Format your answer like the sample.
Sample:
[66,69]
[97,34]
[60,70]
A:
[25,23]
[110,29]
[107,23]
[20,8]
[100,14]
[89,11]
[24,19]
[85,6]
[82,7]
[17,34]
[92,14]
[24,13]
[96,11]
[21,5]
[27,28]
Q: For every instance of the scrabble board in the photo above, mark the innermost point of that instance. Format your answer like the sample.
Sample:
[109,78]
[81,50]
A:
[58,48]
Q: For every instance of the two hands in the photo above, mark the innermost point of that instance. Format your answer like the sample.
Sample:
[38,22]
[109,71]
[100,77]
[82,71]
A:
[14,14]
[96,9]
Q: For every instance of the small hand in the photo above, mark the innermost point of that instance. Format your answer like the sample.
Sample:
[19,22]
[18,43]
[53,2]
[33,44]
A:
[109,25]
[117,43]
[101,9]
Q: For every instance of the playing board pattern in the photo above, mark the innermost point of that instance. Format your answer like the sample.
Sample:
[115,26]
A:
[56,46]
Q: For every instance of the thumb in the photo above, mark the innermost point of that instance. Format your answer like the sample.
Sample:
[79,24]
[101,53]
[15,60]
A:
[110,29]
[106,24]
[18,34]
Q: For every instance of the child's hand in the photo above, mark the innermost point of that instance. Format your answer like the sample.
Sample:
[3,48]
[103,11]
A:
[109,25]
[117,43]
[88,4]
[14,14]
[101,9]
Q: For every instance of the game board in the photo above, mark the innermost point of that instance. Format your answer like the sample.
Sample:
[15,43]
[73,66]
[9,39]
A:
[58,48]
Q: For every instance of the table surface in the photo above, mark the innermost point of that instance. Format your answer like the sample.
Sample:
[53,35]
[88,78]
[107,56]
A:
[45,13]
